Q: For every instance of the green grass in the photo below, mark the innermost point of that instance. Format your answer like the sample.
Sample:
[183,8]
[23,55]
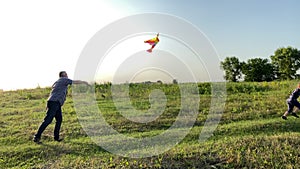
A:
[250,134]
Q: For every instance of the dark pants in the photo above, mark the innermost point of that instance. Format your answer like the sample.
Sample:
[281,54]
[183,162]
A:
[54,111]
[292,104]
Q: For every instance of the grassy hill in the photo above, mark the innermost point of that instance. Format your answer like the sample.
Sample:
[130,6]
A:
[250,134]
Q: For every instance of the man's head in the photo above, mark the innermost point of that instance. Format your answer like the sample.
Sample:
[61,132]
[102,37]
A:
[63,74]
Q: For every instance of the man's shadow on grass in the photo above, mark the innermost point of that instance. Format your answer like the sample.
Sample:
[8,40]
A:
[67,146]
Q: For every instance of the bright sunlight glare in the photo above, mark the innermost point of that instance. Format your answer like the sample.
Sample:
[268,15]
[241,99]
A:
[41,38]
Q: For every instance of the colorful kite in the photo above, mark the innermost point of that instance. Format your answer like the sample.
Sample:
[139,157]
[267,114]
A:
[152,42]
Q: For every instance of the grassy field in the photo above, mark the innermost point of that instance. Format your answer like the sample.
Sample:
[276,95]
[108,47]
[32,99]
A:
[251,133]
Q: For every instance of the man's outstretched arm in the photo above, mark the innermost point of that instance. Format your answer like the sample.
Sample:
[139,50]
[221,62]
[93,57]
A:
[80,82]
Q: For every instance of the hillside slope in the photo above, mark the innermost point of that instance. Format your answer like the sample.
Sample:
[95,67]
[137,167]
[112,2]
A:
[250,134]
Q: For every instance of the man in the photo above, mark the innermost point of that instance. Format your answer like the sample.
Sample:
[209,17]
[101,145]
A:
[55,101]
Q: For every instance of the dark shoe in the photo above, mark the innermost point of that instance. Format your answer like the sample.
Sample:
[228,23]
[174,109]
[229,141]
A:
[284,117]
[36,139]
[295,115]
[58,139]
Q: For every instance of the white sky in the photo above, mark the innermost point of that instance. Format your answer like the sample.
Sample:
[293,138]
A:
[128,61]
[40,38]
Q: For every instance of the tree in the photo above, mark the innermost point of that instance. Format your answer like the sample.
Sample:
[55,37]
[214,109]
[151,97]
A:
[232,68]
[286,62]
[175,81]
[258,70]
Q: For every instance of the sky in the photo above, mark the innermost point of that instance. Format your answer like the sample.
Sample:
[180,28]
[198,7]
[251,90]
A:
[39,38]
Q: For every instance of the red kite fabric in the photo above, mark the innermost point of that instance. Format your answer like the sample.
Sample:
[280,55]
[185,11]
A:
[152,42]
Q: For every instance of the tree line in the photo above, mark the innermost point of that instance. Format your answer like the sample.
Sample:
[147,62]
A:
[284,64]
